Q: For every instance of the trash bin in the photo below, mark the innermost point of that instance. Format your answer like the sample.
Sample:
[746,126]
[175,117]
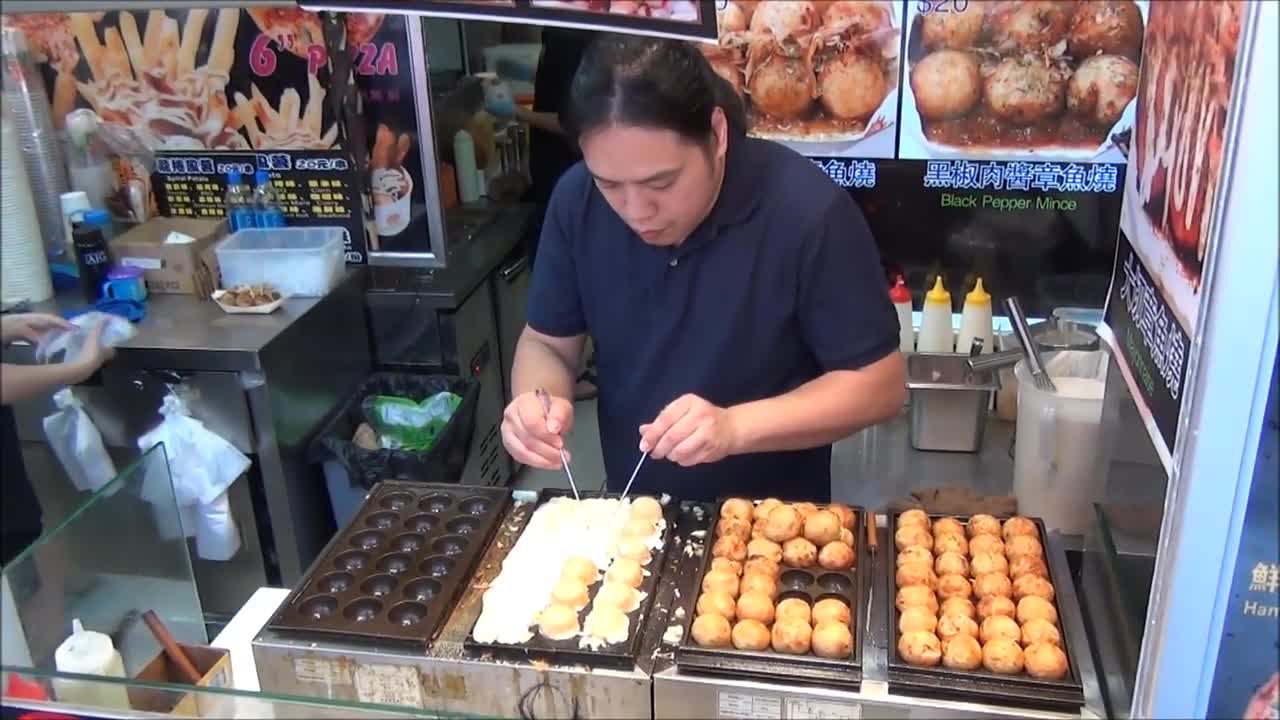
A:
[350,470]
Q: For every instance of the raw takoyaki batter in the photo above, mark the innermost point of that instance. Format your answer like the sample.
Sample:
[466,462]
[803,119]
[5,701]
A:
[734,293]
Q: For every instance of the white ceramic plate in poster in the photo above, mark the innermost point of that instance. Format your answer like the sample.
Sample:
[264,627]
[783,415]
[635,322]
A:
[915,145]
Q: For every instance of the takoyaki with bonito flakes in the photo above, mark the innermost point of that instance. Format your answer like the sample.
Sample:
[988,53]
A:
[1105,27]
[956,30]
[1025,90]
[1101,88]
[1021,26]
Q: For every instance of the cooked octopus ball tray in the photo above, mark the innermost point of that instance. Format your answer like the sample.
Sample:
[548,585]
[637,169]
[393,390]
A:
[974,610]
[779,592]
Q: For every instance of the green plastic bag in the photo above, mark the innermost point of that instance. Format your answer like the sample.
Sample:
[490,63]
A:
[402,424]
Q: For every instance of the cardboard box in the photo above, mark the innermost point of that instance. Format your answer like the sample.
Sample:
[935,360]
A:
[169,268]
[214,666]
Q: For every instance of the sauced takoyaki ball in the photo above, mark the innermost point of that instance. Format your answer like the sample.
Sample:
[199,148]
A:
[914,516]
[984,563]
[947,526]
[913,536]
[961,652]
[951,542]
[1018,525]
[764,547]
[983,524]
[800,553]
[958,606]
[1002,656]
[792,636]
[1045,661]
[733,567]
[711,631]
[859,16]
[1101,88]
[730,546]
[1024,90]
[921,648]
[916,618]
[736,508]
[946,84]
[751,635]
[1023,546]
[992,584]
[1028,565]
[913,595]
[999,626]
[952,563]
[1105,27]
[782,524]
[996,605]
[783,86]
[1027,26]
[956,30]
[1038,630]
[952,625]
[1032,607]
[916,574]
[914,554]
[852,85]
[1028,585]
[954,586]
[980,544]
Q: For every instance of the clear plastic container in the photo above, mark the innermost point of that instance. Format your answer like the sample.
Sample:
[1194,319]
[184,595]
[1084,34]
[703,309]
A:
[305,262]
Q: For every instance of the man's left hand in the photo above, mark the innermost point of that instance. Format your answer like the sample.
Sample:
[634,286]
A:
[690,431]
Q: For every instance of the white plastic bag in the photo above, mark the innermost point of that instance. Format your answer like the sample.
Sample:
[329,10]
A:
[77,443]
[217,537]
[117,331]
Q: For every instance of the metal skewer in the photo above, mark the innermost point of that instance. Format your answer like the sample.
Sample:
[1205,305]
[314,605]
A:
[545,397]
[635,472]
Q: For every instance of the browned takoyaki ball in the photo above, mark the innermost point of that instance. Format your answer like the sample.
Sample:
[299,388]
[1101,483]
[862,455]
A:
[961,652]
[999,626]
[836,556]
[1032,607]
[1002,656]
[915,618]
[992,584]
[912,536]
[1045,661]
[1038,630]
[982,524]
[921,648]
[799,553]
[913,595]
[1032,585]
[952,625]
[954,586]
[916,574]
[996,605]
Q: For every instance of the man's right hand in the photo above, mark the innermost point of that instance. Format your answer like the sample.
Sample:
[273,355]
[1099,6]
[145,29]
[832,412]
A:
[532,436]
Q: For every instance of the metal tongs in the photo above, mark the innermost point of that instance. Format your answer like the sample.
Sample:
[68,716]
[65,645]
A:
[1034,362]
[545,397]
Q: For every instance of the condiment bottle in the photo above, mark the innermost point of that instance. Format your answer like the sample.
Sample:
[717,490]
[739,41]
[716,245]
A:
[901,298]
[91,252]
[86,652]
[936,335]
[975,320]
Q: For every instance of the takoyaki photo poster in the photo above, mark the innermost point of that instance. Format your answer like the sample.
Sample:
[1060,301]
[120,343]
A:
[1190,68]
[820,77]
[693,19]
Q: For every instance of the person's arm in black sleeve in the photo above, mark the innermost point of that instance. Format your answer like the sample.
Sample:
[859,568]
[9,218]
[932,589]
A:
[552,341]
[851,328]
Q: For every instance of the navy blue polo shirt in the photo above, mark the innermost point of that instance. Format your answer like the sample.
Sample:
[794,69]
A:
[778,285]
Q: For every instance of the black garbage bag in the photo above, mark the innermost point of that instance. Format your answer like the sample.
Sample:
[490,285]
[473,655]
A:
[443,463]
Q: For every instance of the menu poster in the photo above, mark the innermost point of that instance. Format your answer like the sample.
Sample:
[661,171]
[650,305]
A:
[671,18]
[1170,192]
[820,78]
[1246,683]
[315,188]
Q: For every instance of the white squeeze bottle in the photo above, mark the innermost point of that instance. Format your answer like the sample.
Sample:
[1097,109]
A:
[935,328]
[975,320]
[89,653]
[901,298]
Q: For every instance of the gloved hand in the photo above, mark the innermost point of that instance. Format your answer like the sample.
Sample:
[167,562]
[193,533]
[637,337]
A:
[509,69]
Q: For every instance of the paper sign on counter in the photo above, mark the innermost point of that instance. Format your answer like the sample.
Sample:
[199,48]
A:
[804,709]
[744,705]
[389,685]
[323,672]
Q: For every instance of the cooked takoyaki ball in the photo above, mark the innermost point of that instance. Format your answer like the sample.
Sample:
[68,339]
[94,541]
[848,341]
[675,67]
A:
[913,554]
[952,625]
[783,86]
[984,543]
[764,565]
[913,536]
[759,582]
[1024,90]
[951,563]
[999,626]
[1028,565]
[956,30]
[836,556]
[946,84]
[730,546]
[734,527]
[764,547]
[1038,630]
[1018,525]
[961,652]
[1045,661]
[750,635]
[947,525]
[720,581]
[1023,546]
[916,618]
[733,567]
[831,610]
[799,553]
[764,508]
[915,516]
[1029,26]
[1101,88]
[992,584]
[857,16]
[822,527]
[711,631]
[996,605]
[954,586]
[1002,656]
[1105,27]
[921,648]
[1032,607]
[950,542]
[982,524]
[1029,585]
[717,602]
[755,606]
[985,563]
[792,636]
[852,85]
[916,574]
[848,518]
[793,609]
[782,524]
[913,595]
[736,508]
[958,606]
[832,640]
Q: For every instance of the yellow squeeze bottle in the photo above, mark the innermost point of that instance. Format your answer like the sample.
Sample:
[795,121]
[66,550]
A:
[936,335]
[975,320]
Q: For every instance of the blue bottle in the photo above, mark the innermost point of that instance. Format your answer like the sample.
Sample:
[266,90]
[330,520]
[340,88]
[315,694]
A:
[240,213]
[266,203]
